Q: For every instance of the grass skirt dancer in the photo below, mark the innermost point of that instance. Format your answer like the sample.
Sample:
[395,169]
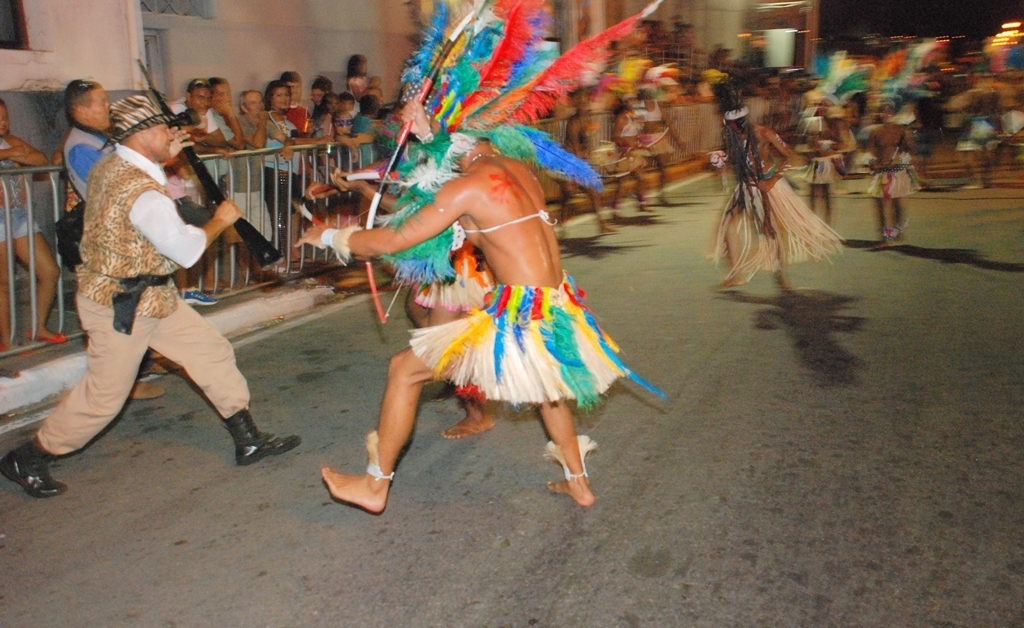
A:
[800,235]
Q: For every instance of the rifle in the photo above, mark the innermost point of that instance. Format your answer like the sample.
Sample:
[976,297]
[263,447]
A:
[260,248]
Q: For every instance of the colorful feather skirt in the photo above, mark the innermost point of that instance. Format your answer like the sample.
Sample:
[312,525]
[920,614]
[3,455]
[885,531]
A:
[895,182]
[528,345]
[799,235]
[473,281]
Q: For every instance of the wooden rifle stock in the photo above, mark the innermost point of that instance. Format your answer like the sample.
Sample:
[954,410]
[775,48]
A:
[260,248]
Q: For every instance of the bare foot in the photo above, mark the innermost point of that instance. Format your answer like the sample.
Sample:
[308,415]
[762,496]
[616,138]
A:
[45,335]
[576,488]
[731,282]
[474,423]
[364,491]
[606,228]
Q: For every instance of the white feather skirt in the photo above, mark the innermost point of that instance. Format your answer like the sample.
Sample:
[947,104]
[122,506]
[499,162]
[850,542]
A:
[473,281]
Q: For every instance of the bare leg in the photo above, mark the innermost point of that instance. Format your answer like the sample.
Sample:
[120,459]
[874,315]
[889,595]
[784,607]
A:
[621,181]
[47,274]
[880,212]
[418,315]
[477,418]
[827,193]
[595,202]
[780,274]
[406,376]
[5,305]
[732,248]
[559,425]
[476,421]
[640,198]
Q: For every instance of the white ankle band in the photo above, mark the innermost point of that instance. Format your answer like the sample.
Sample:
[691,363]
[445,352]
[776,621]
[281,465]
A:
[586,445]
[377,474]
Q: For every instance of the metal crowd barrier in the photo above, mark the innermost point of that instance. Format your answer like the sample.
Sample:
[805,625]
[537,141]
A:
[267,200]
[41,208]
[243,177]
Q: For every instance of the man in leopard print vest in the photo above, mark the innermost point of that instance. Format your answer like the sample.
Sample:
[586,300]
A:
[133,241]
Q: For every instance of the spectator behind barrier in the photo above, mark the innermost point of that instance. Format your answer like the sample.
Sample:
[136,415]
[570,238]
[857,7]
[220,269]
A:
[15,153]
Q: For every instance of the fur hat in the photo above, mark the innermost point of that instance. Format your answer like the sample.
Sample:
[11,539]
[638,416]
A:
[133,114]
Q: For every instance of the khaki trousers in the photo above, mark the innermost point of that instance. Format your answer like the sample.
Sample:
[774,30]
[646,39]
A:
[112,364]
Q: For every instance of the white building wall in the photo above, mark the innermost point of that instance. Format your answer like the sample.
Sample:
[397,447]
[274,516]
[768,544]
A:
[70,39]
[252,43]
[715,22]
[248,42]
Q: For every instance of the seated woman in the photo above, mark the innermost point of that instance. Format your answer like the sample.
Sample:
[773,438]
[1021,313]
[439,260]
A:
[14,153]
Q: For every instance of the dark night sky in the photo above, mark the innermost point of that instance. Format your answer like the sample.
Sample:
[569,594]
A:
[973,18]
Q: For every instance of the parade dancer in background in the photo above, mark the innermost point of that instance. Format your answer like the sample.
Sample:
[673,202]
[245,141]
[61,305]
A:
[890,145]
[826,142]
[657,138]
[765,225]
[576,142]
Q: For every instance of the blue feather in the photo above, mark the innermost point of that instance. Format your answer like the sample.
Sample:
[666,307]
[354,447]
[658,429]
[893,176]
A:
[433,38]
[551,156]
[499,346]
[615,358]
[523,316]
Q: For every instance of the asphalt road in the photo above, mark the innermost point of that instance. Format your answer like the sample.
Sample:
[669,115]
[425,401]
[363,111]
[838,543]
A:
[847,455]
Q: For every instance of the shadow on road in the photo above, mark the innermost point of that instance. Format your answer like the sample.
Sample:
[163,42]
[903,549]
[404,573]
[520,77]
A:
[592,247]
[811,319]
[644,219]
[946,256]
[668,201]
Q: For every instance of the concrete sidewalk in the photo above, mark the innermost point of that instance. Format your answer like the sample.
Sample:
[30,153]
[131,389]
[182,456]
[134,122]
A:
[40,377]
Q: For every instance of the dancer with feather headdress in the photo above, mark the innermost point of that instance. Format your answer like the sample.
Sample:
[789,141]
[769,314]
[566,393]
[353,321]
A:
[535,341]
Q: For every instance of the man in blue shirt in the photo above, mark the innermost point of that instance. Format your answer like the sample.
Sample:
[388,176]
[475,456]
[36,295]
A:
[88,110]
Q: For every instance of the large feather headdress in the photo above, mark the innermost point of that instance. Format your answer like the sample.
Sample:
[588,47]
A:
[503,76]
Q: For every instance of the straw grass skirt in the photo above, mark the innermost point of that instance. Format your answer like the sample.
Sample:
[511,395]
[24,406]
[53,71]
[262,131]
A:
[799,236]
[895,182]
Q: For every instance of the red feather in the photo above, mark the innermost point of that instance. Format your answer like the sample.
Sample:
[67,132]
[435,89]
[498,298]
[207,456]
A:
[518,37]
[536,98]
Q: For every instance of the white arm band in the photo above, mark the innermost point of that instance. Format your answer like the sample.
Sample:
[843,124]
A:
[337,239]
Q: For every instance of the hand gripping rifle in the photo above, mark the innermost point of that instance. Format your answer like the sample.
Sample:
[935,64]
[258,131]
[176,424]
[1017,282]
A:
[403,136]
[260,248]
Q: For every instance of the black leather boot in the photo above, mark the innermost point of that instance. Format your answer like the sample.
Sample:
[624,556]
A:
[251,445]
[28,465]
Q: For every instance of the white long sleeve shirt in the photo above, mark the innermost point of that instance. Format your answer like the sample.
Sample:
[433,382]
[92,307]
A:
[156,216]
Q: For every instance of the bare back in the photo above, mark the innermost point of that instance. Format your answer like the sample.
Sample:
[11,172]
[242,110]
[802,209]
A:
[886,142]
[494,193]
